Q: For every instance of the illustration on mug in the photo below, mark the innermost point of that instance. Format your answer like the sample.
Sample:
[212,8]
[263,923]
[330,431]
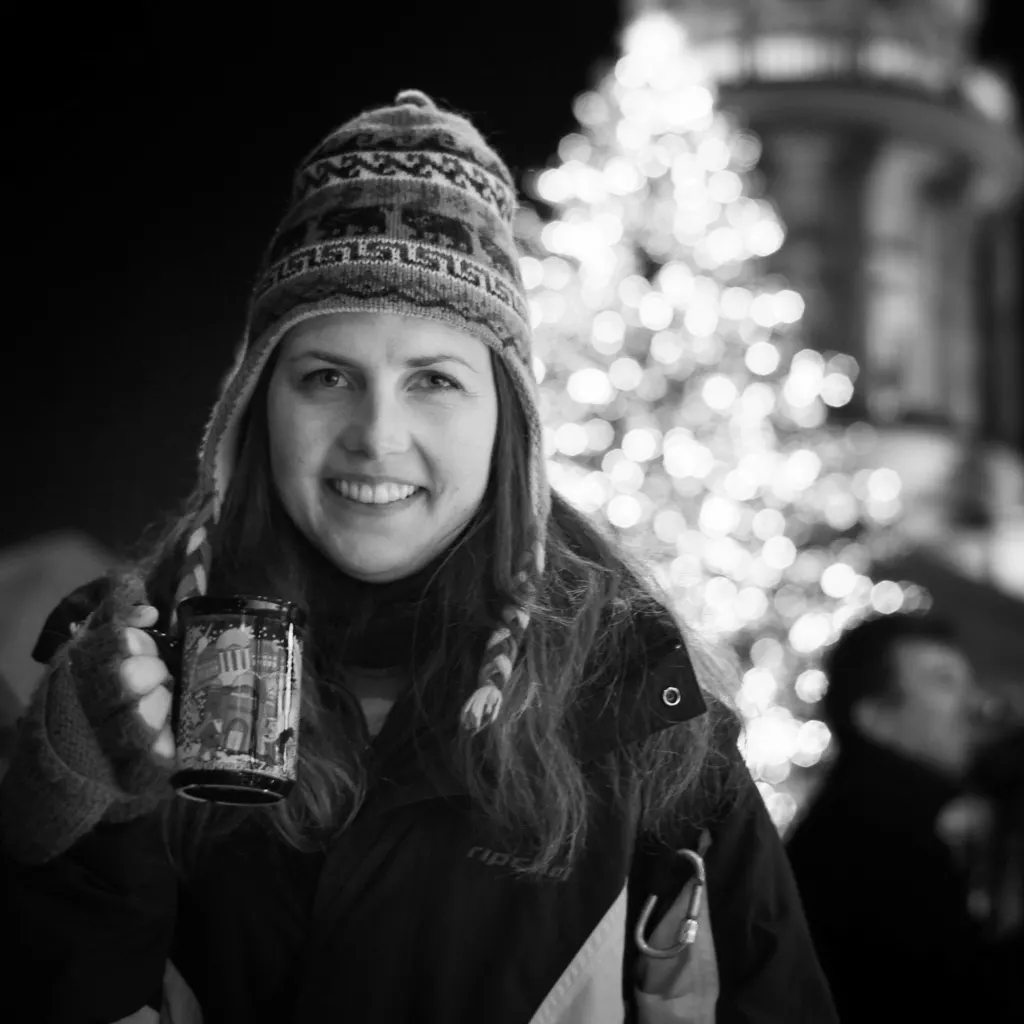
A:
[237,711]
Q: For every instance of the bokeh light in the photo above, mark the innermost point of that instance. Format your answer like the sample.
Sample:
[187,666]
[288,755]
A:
[684,405]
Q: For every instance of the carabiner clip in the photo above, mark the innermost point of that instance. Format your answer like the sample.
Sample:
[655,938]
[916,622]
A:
[688,932]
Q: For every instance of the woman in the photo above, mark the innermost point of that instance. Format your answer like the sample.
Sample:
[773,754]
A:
[504,744]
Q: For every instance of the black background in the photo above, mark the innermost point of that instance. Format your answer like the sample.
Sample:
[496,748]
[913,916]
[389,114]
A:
[148,161]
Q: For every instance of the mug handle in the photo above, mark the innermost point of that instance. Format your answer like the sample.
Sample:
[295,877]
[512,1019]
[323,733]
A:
[170,650]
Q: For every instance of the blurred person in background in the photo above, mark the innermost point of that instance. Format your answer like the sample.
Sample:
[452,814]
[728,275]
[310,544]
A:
[890,856]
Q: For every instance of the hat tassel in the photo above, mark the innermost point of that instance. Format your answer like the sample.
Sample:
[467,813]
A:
[482,707]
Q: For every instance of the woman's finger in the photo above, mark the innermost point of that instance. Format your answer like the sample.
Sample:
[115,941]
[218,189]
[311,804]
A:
[141,674]
[155,707]
[137,641]
[143,616]
[163,747]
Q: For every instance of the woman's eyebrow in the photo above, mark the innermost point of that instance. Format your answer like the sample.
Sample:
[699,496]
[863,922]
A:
[414,361]
[441,357]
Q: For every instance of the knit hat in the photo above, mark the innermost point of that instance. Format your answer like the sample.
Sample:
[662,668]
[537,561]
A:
[404,209]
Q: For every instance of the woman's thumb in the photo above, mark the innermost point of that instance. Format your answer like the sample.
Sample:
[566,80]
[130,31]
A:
[142,616]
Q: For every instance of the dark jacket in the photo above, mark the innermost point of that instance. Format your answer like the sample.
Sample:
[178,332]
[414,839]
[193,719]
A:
[887,900]
[413,914]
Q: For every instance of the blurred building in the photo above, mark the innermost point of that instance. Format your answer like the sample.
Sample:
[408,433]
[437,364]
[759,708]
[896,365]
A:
[896,165]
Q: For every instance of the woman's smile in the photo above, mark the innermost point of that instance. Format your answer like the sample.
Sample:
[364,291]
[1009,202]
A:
[379,499]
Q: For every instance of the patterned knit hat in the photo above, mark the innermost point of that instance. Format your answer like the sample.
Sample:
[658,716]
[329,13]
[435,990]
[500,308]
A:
[404,209]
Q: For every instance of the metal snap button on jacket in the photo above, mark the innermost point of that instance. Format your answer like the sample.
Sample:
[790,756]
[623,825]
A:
[671,696]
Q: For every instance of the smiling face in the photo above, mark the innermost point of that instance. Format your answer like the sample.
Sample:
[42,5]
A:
[381,432]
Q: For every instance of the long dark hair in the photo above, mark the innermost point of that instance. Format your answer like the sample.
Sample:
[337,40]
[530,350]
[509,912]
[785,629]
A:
[522,771]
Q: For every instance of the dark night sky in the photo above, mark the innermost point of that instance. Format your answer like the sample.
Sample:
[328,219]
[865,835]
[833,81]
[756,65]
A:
[150,162]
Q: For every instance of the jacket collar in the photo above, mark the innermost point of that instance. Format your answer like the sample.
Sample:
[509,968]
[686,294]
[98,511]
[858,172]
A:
[888,786]
[655,689]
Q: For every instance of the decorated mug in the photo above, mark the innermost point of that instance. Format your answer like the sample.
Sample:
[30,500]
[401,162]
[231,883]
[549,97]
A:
[235,714]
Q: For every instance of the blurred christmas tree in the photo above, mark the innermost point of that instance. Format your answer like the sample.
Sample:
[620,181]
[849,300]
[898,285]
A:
[682,404]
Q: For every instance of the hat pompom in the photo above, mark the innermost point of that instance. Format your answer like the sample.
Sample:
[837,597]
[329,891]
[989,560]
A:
[415,98]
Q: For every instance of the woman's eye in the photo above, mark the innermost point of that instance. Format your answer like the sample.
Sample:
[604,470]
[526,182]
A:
[324,377]
[438,382]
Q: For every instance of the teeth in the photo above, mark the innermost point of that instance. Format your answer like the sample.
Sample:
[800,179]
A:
[382,494]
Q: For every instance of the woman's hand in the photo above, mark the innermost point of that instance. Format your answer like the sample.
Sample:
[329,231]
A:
[144,676]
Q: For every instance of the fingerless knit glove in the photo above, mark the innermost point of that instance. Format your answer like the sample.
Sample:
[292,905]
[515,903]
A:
[82,754]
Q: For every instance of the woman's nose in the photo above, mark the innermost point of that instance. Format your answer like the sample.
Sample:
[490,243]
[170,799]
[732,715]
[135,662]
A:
[377,426]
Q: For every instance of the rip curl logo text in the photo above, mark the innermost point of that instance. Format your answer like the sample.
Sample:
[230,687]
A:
[496,859]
